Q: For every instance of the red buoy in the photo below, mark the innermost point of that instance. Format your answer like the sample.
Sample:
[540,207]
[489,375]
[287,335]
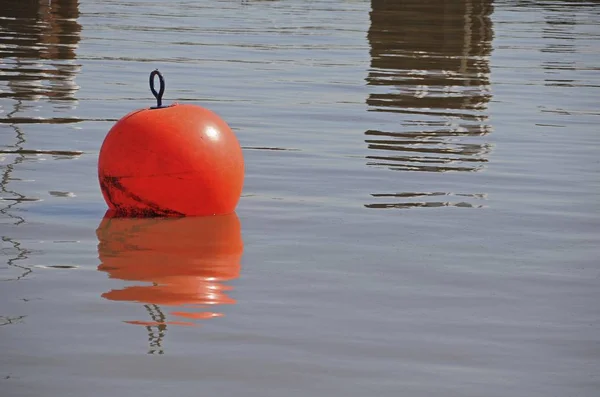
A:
[175,160]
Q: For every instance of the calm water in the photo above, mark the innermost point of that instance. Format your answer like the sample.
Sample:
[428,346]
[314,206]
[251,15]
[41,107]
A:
[421,212]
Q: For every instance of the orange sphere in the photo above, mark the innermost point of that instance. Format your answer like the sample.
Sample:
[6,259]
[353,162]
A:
[172,161]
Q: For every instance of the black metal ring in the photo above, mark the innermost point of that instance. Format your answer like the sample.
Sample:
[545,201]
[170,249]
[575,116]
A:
[158,95]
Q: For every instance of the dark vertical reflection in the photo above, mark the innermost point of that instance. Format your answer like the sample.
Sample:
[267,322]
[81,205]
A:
[559,34]
[181,262]
[10,198]
[429,77]
[38,41]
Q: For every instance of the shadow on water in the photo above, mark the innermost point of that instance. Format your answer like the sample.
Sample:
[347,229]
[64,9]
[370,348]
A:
[183,261]
[430,79]
[562,38]
[37,47]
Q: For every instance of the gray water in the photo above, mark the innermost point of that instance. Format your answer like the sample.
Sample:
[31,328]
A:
[420,213]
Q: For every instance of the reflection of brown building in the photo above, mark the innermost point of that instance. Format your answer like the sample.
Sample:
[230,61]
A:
[430,67]
[177,262]
[38,41]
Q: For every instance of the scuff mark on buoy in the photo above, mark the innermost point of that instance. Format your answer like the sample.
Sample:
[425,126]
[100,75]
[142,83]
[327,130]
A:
[113,182]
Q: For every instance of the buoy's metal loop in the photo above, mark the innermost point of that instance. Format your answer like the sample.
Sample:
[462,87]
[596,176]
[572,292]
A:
[158,95]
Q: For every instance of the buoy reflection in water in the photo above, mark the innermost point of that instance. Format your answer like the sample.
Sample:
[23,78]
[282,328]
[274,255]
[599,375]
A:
[186,260]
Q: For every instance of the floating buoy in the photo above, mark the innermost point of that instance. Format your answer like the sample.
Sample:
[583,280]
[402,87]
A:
[176,160]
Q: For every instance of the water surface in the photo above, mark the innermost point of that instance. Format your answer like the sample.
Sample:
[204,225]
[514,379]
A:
[420,214]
